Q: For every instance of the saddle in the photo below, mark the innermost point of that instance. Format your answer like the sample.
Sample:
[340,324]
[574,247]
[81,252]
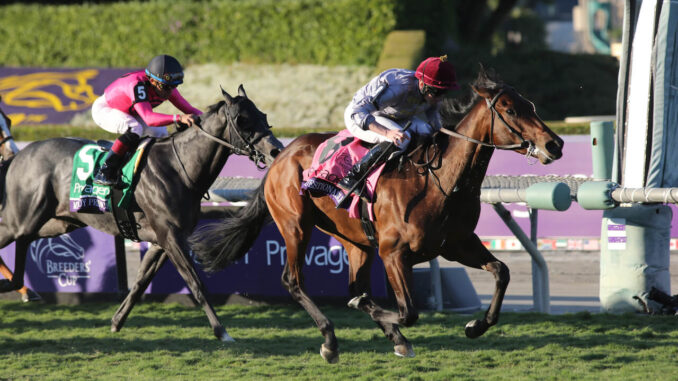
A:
[88,197]
[332,160]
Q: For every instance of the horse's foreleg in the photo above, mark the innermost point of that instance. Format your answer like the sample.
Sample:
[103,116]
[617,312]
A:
[473,253]
[177,251]
[153,259]
[399,276]
[360,263]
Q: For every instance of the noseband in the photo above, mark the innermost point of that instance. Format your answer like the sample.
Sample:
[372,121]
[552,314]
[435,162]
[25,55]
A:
[257,157]
[491,105]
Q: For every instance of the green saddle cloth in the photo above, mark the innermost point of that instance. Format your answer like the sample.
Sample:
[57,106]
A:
[88,197]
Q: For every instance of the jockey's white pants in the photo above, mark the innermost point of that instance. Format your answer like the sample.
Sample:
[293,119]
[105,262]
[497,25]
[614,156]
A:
[118,122]
[419,126]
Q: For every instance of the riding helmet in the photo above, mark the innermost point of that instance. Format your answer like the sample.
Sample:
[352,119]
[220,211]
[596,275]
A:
[437,72]
[165,69]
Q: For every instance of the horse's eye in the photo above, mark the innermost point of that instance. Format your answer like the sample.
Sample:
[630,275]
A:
[511,111]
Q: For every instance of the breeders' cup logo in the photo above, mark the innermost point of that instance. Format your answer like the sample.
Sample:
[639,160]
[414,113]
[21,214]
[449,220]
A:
[60,258]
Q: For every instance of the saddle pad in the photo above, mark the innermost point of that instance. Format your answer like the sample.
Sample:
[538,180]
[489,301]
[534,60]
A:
[88,197]
[332,160]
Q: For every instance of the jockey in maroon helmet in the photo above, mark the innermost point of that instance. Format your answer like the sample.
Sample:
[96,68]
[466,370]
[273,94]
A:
[381,109]
[127,108]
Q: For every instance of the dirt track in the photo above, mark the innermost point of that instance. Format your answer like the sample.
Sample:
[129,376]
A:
[573,280]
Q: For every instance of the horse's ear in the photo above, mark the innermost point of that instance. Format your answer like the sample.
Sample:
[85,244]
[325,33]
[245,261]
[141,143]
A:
[483,92]
[227,96]
[241,91]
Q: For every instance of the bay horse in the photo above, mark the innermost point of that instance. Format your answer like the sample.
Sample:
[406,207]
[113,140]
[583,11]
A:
[428,207]
[178,171]
[8,149]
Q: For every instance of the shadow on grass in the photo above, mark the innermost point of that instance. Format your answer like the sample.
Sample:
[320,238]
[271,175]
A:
[262,331]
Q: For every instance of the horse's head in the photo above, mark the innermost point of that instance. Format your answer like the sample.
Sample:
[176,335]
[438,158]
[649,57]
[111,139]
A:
[514,121]
[7,146]
[248,128]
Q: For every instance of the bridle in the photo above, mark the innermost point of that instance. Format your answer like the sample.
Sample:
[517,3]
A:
[529,145]
[251,151]
[491,105]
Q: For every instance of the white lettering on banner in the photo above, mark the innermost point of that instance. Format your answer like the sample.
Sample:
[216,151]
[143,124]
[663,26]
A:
[88,161]
[52,255]
[274,248]
[333,257]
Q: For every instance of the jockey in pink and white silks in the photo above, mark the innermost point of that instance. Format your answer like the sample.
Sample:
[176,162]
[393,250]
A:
[127,108]
[380,110]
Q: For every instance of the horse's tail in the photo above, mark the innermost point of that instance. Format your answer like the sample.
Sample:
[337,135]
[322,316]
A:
[219,244]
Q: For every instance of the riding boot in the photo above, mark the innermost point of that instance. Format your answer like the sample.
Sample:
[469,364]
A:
[108,172]
[355,178]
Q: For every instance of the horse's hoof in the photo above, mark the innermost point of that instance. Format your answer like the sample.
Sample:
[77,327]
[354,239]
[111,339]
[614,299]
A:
[226,338]
[355,302]
[329,355]
[222,335]
[475,328]
[30,296]
[114,328]
[404,350]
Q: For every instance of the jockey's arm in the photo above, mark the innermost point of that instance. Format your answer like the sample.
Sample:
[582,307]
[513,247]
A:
[151,118]
[182,104]
[433,117]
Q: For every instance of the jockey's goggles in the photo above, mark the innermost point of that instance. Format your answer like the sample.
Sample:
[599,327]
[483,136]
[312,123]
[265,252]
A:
[434,91]
[165,86]
[168,79]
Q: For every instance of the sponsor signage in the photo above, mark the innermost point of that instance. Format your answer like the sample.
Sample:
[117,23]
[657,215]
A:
[80,261]
[84,261]
[258,272]
[46,96]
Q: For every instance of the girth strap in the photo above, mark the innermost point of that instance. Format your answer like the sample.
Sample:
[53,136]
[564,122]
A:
[368,226]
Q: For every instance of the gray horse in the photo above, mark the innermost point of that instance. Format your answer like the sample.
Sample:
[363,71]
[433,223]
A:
[178,172]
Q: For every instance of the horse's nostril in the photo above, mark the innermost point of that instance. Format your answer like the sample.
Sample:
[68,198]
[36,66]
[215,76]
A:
[554,149]
[275,152]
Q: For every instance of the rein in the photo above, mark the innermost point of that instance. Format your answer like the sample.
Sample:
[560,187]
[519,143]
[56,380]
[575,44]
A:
[254,155]
[428,161]
[490,104]
[257,157]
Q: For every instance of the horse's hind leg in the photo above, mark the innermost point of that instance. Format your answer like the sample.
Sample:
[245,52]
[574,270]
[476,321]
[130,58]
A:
[360,263]
[297,233]
[472,253]
[153,259]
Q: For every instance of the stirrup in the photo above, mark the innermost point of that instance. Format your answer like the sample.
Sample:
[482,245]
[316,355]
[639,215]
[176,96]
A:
[101,179]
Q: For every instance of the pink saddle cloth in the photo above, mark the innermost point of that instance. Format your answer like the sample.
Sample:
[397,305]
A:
[331,162]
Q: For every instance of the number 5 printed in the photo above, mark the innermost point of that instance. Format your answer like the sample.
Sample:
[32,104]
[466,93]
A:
[140,92]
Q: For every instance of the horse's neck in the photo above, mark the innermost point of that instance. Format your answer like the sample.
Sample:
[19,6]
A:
[202,158]
[465,162]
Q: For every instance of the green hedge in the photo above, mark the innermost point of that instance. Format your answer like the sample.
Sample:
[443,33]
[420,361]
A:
[559,84]
[128,34]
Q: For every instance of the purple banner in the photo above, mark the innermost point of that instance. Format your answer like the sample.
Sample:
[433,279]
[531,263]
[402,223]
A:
[80,261]
[575,222]
[258,273]
[35,95]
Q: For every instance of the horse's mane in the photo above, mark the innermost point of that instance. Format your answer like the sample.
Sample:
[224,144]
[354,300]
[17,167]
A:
[453,110]
[213,109]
